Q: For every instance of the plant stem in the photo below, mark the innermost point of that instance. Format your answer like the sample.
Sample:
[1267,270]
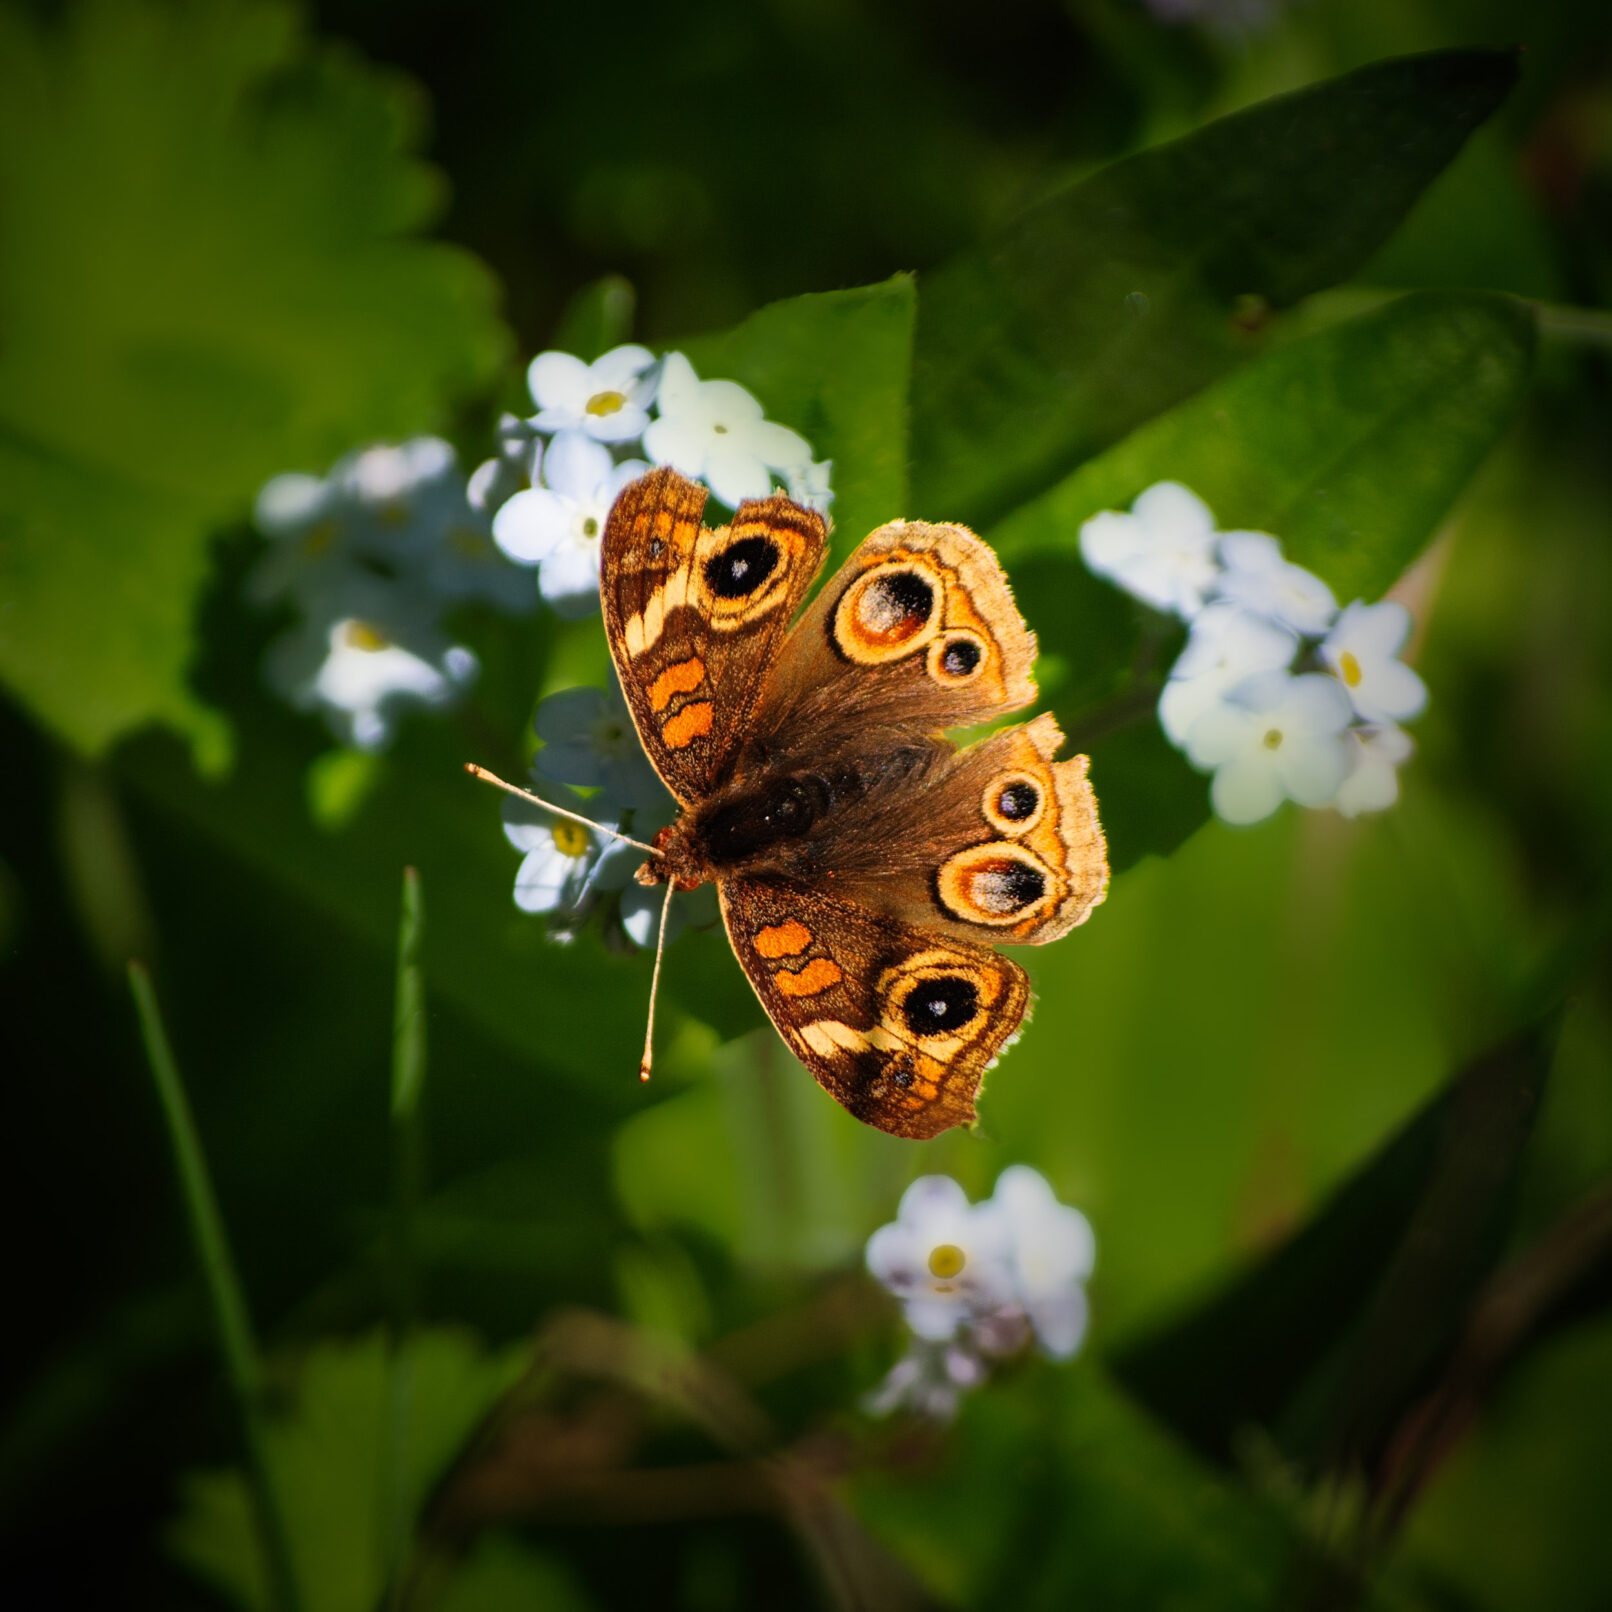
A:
[408,1084]
[408,1171]
[230,1313]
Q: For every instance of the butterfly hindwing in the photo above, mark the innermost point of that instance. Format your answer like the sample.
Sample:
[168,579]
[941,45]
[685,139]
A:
[998,843]
[695,617]
[896,1023]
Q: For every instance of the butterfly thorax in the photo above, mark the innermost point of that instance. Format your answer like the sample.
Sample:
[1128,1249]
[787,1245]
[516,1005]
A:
[775,822]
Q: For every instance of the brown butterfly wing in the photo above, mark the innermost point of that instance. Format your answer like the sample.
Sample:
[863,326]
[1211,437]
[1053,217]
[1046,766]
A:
[897,1024]
[916,633]
[995,844]
[696,617]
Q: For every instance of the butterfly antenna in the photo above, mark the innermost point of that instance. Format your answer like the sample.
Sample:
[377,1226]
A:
[654,983]
[549,806]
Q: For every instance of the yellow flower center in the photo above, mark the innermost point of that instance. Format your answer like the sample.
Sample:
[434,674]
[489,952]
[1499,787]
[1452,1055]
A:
[469,543]
[394,513]
[721,430]
[590,527]
[360,635]
[1272,739]
[946,1261]
[1350,667]
[570,839]
[602,403]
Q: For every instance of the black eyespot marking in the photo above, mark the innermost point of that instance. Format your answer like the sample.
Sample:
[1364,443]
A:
[935,1006]
[896,605]
[1007,887]
[657,547]
[960,657]
[901,1077]
[1018,801]
[741,567]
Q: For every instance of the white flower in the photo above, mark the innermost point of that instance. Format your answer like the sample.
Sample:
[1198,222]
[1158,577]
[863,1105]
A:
[1226,644]
[589,740]
[389,510]
[1163,552]
[945,1259]
[559,528]
[1273,737]
[1373,783]
[362,664]
[512,469]
[310,545]
[1362,651]
[808,484]
[1259,579]
[1051,1251]
[560,855]
[714,432]
[606,400]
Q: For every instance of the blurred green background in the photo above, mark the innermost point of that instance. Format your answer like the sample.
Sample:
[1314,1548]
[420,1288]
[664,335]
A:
[1337,1096]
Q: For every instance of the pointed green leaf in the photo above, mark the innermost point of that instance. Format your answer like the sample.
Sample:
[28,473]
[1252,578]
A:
[1131,290]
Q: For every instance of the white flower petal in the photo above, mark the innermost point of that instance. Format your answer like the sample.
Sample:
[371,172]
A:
[1059,1319]
[1169,510]
[558,381]
[531,525]
[569,572]
[726,401]
[1245,792]
[575,465]
[678,443]
[734,476]
[620,367]
[1311,768]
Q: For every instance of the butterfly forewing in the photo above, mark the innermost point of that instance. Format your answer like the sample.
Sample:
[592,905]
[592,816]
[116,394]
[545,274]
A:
[696,617]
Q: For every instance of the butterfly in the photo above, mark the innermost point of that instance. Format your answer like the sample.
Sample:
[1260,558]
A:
[866,867]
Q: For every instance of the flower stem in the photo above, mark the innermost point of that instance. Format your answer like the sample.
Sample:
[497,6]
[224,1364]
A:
[408,1174]
[230,1313]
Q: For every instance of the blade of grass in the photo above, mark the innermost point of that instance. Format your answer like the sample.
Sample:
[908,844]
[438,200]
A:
[230,1313]
[408,1172]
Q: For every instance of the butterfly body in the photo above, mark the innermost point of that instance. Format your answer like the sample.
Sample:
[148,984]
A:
[865,865]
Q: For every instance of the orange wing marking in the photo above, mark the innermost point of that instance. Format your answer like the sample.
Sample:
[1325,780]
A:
[783,940]
[683,678]
[816,976]
[691,723]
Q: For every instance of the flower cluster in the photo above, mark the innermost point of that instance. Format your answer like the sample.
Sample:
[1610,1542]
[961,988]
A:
[605,424]
[1277,692]
[371,556]
[373,553]
[976,1282]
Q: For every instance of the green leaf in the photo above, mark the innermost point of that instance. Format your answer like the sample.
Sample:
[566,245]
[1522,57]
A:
[234,295]
[328,1461]
[834,366]
[1131,290]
